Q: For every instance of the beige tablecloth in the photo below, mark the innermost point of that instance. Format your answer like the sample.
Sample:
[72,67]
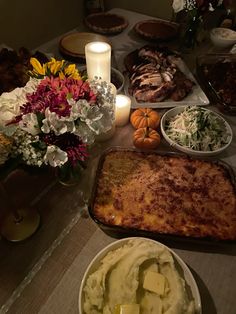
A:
[43,274]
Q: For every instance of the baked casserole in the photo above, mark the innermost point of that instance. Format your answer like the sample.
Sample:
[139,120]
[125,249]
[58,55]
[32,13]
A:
[165,194]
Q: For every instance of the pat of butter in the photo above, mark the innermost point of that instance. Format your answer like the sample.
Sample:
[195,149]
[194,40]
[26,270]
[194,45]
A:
[154,282]
[127,309]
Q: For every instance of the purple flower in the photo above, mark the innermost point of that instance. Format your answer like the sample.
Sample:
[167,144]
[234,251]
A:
[68,142]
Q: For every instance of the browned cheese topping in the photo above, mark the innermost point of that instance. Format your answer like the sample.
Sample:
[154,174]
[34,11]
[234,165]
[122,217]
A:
[168,195]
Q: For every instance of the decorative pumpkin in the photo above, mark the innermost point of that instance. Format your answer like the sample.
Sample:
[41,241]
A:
[146,138]
[145,117]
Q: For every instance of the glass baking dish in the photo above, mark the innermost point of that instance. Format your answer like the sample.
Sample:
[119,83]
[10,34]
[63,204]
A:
[217,77]
[121,230]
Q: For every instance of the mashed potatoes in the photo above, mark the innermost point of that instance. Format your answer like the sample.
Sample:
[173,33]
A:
[120,277]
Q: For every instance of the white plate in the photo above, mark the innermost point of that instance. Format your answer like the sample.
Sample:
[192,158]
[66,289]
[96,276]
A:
[172,113]
[196,97]
[181,267]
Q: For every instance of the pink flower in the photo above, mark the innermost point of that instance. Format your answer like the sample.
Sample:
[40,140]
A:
[80,90]
[60,106]
[53,93]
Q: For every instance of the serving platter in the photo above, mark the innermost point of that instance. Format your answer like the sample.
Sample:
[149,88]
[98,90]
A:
[181,267]
[223,64]
[196,97]
[132,59]
[119,230]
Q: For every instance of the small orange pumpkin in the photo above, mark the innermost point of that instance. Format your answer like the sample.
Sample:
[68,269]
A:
[146,138]
[145,117]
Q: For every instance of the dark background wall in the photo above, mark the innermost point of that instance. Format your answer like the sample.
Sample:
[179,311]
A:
[30,23]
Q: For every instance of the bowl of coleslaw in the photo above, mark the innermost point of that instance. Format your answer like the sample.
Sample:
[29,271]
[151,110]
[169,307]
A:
[196,130]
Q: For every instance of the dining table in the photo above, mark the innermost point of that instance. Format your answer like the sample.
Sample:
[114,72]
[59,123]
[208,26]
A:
[43,273]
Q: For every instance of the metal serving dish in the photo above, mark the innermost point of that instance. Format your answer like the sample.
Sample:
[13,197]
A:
[118,231]
[217,79]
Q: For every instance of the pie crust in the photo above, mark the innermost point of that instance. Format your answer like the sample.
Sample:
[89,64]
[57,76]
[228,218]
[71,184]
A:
[159,30]
[106,23]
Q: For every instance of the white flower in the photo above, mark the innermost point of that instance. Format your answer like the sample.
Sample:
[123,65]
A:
[93,120]
[55,157]
[31,85]
[178,5]
[59,125]
[10,104]
[85,133]
[76,108]
[211,7]
[29,123]
[88,113]
[23,146]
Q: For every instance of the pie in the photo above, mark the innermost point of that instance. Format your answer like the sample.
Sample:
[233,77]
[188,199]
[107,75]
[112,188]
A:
[158,30]
[106,23]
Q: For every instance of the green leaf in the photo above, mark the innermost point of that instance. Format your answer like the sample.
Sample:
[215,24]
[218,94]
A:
[40,117]
[39,145]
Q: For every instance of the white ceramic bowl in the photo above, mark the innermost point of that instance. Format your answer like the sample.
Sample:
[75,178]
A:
[172,113]
[181,267]
[223,37]
[117,78]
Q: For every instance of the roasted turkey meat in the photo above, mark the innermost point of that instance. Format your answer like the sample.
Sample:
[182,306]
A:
[154,76]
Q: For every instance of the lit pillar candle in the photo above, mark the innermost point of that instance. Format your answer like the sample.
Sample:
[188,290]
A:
[122,110]
[98,60]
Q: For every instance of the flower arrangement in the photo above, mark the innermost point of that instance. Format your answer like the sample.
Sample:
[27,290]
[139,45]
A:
[56,115]
[199,6]
[195,11]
